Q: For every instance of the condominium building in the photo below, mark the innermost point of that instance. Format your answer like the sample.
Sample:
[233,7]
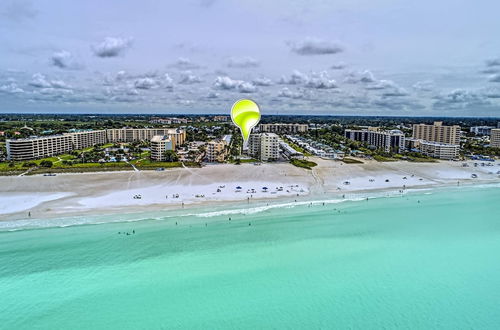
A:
[481,130]
[283,128]
[221,118]
[393,140]
[437,133]
[85,139]
[498,124]
[495,138]
[168,121]
[46,146]
[141,134]
[434,149]
[38,147]
[160,144]
[216,151]
[264,146]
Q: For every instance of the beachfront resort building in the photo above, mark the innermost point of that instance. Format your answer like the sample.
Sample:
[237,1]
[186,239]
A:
[47,146]
[264,146]
[142,134]
[283,128]
[445,151]
[160,144]
[437,133]
[82,139]
[38,147]
[216,150]
[393,140]
[495,138]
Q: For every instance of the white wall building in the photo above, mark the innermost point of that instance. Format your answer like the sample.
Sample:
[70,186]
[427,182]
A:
[264,146]
[495,138]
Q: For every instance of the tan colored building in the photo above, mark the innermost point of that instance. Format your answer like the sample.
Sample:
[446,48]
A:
[437,133]
[216,151]
[283,128]
[142,134]
[85,139]
[495,138]
[264,146]
[38,147]
[160,144]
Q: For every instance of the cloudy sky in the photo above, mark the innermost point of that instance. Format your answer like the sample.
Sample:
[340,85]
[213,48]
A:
[353,57]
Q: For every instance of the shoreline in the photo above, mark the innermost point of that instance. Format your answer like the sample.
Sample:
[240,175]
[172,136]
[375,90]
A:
[222,208]
[95,194]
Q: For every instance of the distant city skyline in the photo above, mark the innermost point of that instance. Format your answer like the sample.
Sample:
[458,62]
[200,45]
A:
[347,57]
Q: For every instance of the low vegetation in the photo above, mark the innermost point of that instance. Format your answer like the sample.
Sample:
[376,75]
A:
[351,161]
[303,163]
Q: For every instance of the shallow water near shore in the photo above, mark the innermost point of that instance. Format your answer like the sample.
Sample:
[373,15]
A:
[421,260]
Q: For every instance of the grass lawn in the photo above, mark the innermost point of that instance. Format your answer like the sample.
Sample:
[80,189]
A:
[351,161]
[379,158]
[251,160]
[422,160]
[303,163]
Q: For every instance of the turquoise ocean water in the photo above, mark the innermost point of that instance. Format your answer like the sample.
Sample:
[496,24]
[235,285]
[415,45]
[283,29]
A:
[426,260]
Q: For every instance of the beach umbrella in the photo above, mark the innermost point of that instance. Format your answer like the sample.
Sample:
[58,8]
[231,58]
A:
[265,188]
[238,187]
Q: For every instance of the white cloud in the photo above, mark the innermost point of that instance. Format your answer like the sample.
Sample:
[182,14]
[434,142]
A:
[246,87]
[459,99]
[493,62]
[226,83]
[495,78]
[64,60]
[188,78]
[424,86]
[145,83]
[112,47]
[262,81]
[320,81]
[184,63]
[314,46]
[39,80]
[338,66]
[11,88]
[296,78]
[381,84]
[242,62]
[286,92]
[359,77]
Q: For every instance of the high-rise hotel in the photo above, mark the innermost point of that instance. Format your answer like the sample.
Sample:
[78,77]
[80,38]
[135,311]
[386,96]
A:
[437,133]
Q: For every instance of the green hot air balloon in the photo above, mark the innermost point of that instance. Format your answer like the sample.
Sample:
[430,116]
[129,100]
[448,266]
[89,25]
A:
[245,114]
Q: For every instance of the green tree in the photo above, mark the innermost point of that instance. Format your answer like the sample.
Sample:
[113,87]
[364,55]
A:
[170,156]
[46,163]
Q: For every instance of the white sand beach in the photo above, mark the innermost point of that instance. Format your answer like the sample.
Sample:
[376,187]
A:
[95,193]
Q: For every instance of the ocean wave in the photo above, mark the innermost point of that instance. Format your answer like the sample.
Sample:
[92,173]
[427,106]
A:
[240,208]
